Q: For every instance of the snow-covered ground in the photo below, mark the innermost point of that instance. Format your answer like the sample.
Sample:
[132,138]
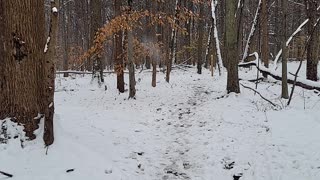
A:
[188,129]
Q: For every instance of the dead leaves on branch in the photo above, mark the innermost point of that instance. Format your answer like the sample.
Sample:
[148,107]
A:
[131,21]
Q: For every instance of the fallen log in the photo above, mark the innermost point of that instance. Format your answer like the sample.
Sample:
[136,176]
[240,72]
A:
[304,83]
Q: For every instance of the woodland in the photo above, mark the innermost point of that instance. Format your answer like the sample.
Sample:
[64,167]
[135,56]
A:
[159,89]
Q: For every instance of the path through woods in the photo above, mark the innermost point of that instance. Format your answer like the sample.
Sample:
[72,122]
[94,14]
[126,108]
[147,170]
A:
[188,129]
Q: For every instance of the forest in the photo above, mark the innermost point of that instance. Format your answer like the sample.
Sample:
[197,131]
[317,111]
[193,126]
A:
[159,89]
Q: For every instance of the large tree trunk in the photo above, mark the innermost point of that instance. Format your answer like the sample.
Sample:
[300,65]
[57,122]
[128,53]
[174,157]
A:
[284,92]
[265,39]
[2,63]
[232,47]
[200,39]
[96,23]
[22,76]
[188,39]
[118,54]
[132,79]
[65,40]
[313,46]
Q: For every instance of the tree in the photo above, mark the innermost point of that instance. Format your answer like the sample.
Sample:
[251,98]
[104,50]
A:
[313,46]
[232,47]
[148,32]
[65,34]
[118,54]
[24,86]
[96,23]
[132,80]
[173,41]
[200,38]
[284,92]
[264,29]
[153,44]
[50,55]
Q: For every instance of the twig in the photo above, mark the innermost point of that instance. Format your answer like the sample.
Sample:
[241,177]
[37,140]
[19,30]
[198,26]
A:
[259,95]
[6,174]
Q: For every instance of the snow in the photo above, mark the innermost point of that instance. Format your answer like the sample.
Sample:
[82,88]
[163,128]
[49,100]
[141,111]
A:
[47,44]
[188,129]
[214,4]
[54,10]
[288,42]
[253,28]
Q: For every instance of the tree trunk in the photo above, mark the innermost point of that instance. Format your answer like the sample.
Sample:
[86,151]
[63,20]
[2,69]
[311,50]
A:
[96,23]
[200,39]
[22,88]
[132,80]
[173,42]
[232,47]
[189,33]
[265,41]
[118,56]
[284,92]
[313,46]
[50,56]
[65,40]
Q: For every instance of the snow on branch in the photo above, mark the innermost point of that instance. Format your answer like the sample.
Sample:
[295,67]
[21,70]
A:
[253,28]
[301,82]
[214,4]
[288,42]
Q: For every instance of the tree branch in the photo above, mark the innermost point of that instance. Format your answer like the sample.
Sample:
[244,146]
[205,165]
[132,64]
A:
[247,87]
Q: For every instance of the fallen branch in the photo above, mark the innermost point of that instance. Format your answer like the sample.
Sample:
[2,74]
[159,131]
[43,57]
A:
[252,80]
[259,95]
[6,174]
[83,72]
[306,84]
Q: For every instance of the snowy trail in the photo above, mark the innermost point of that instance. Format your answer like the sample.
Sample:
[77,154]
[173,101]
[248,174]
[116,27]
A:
[197,141]
[189,129]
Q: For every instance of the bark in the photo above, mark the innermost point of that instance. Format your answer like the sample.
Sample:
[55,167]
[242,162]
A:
[216,34]
[173,42]
[152,39]
[148,34]
[189,33]
[65,41]
[209,48]
[313,46]
[118,54]
[96,23]
[22,88]
[284,91]
[132,80]
[2,64]
[200,39]
[50,57]
[232,48]
[265,41]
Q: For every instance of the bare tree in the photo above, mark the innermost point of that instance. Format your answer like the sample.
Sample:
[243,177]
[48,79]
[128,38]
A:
[284,92]
[265,32]
[232,47]
[313,46]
